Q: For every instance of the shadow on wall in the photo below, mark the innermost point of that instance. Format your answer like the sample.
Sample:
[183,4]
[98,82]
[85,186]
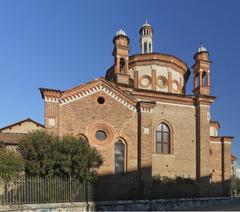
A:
[141,185]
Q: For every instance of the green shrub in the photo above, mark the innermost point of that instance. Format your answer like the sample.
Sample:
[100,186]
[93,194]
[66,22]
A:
[11,164]
[52,156]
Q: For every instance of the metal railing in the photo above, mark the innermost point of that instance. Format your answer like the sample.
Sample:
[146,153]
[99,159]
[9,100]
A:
[29,190]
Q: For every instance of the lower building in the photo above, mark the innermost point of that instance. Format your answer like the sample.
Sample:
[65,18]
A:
[13,134]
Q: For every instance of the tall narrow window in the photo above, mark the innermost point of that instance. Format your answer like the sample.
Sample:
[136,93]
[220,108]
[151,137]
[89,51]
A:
[204,79]
[122,65]
[150,48]
[145,47]
[163,139]
[119,157]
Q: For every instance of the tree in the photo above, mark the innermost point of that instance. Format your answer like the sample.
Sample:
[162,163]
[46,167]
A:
[48,155]
[11,164]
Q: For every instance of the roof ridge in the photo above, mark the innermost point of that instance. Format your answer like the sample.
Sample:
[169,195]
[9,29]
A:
[20,122]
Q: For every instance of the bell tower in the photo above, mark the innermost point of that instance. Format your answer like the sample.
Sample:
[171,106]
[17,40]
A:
[120,52]
[203,100]
[201,71]
[146,43]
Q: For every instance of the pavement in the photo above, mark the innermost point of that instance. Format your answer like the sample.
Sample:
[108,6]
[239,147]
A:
[233,205]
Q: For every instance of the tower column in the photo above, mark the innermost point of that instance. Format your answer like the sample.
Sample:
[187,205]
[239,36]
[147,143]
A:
[203,170]
[201,78]
[203,101]
[208,79]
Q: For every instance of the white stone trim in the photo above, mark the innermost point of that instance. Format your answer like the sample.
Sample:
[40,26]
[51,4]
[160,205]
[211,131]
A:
[173,104]
[219,142]
[51,99]
[203,106]
[89,92]
[146,131]
[146,110]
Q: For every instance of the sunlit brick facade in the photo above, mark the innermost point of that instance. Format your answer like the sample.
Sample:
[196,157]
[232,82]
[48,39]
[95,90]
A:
[142,121]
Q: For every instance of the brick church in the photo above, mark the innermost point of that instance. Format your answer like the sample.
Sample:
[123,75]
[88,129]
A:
[143,122]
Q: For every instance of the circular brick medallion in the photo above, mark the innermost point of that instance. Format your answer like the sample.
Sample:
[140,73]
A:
[145,81]
[162,82]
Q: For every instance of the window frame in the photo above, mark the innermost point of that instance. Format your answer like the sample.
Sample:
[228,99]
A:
[124,156]
[161,141]
[145,47]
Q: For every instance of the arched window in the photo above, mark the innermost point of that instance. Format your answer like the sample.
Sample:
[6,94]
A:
[204,79]
[119,157]
[145,47]
[122,65]
[197,81]
[163,139]
[82,137]
[149,48]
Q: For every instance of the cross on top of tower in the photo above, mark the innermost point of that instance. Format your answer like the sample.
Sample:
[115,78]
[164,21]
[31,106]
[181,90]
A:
[146,24]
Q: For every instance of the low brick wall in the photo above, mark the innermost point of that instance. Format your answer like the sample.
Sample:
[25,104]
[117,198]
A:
[131,205]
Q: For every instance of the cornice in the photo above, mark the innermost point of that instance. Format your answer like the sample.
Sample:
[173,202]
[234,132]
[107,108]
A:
[163,97]
[79,92]
[159,57]
[221,139]
[204,100]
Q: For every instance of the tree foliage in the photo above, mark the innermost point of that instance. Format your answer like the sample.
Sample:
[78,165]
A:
[11,164]
[235,184]
[48,155]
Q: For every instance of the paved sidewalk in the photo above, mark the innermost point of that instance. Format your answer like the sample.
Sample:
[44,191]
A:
[234,205]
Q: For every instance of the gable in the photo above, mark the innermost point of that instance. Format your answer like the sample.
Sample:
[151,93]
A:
[23,126]
[95,89]
[90,88]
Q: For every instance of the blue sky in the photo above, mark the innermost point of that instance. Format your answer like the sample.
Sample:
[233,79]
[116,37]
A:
[61,44]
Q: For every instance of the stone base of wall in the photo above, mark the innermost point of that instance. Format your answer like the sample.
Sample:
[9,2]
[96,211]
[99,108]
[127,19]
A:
[160,204]
[137,205]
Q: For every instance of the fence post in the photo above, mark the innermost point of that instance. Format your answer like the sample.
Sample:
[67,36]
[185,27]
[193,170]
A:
[86,193]
[70,188]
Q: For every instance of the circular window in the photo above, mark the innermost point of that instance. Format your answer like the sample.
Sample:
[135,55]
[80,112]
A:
[100,100]
[100,135]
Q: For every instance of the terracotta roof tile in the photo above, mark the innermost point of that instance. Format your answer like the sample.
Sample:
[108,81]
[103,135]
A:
[233,157]
[12,138]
